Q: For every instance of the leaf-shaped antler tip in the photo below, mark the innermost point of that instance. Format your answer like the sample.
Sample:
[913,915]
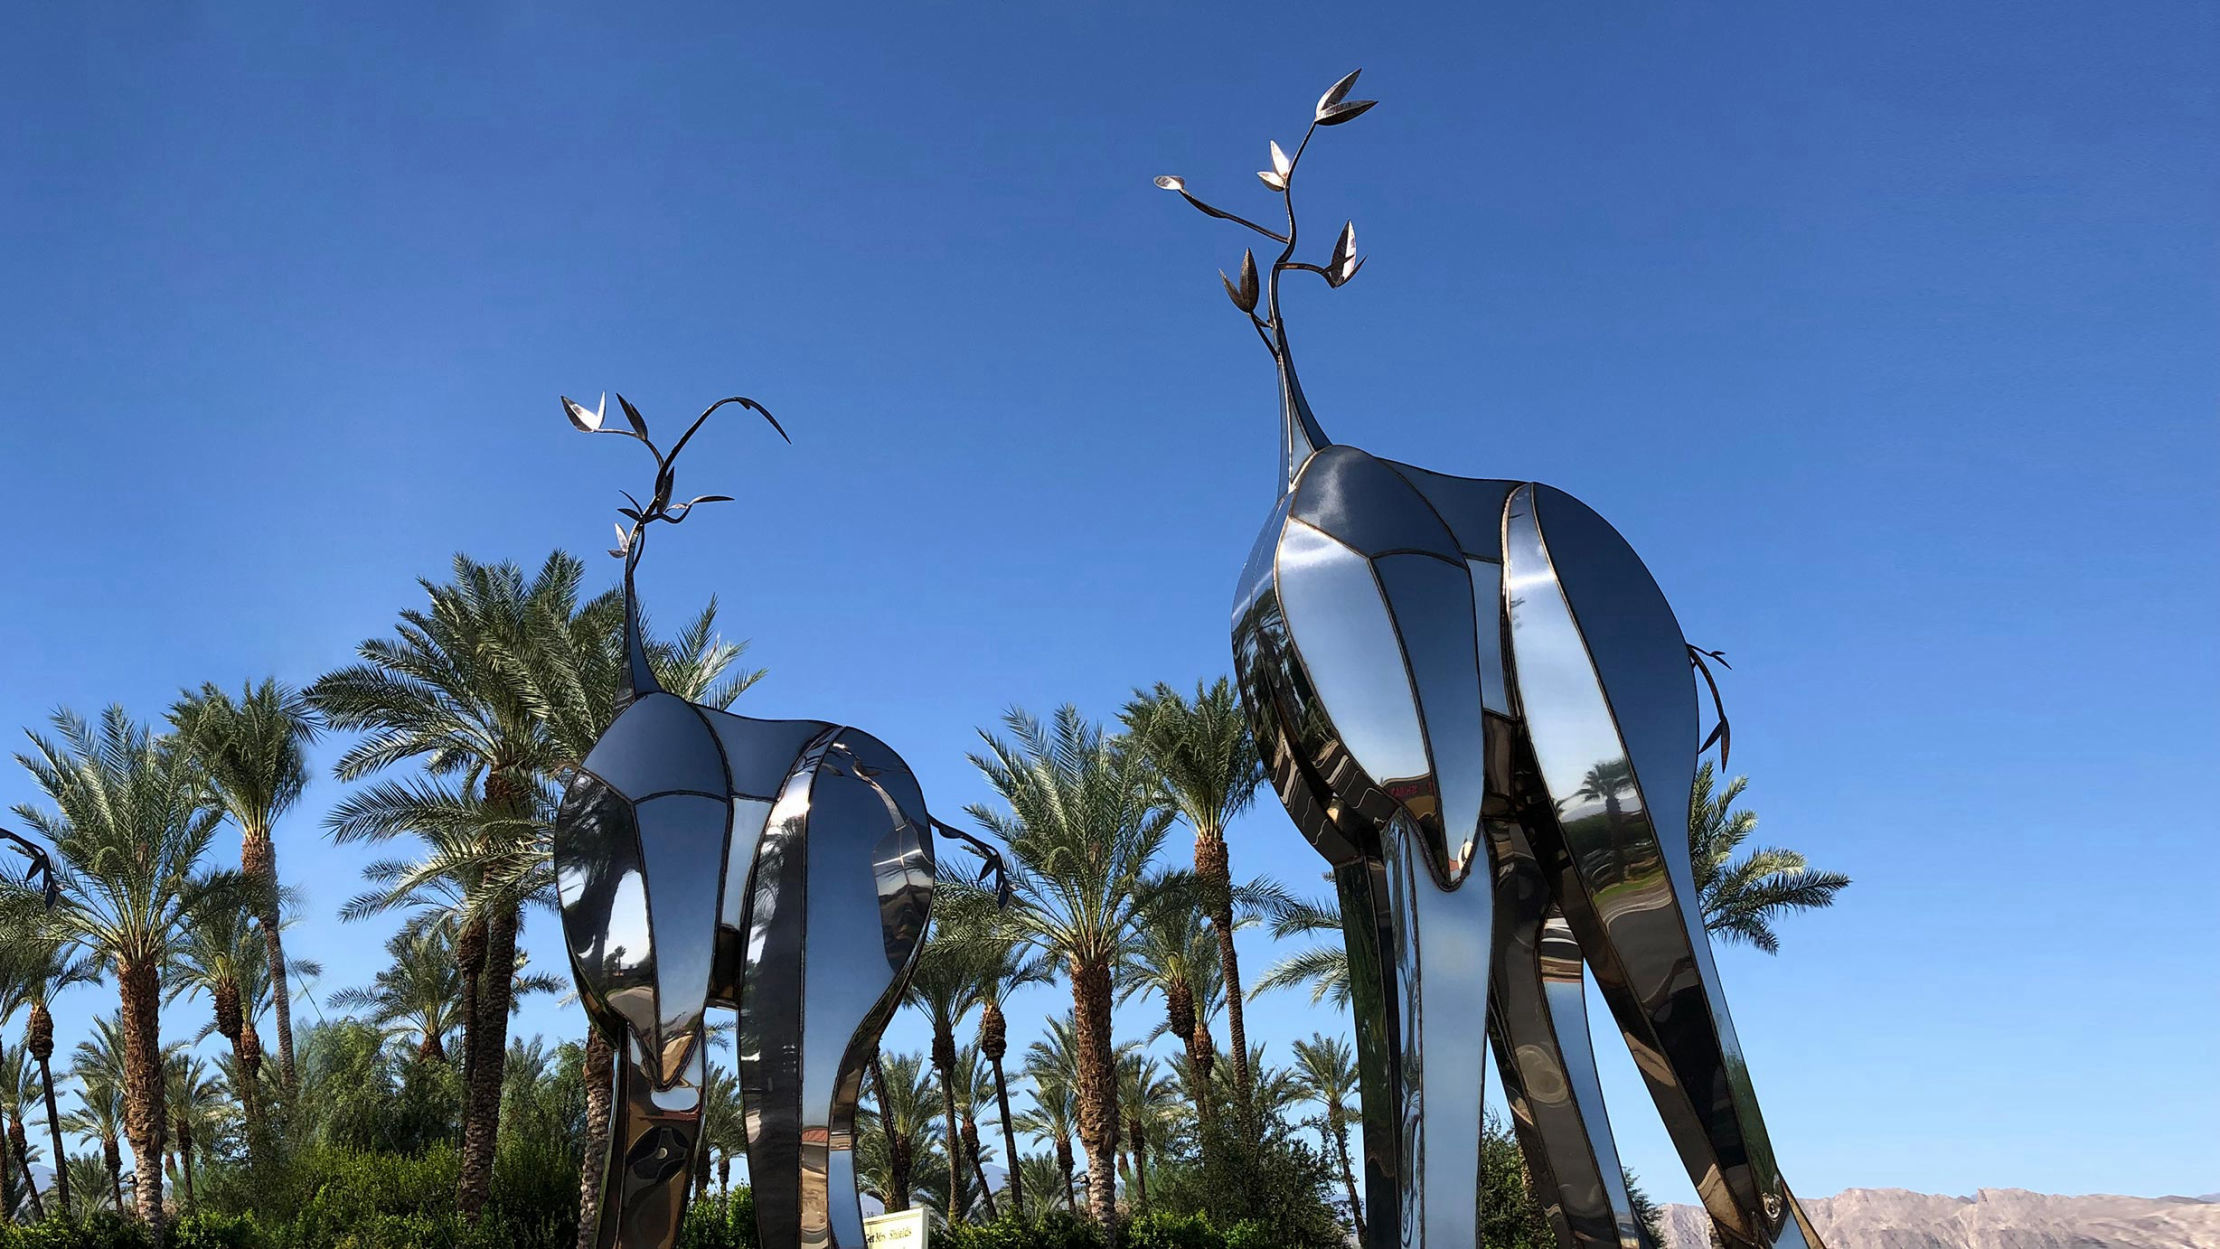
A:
[1347,110]
[588,422]
[1336,93]
[1171,182]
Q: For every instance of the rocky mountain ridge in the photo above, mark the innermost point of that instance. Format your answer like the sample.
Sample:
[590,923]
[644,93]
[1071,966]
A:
[1993,1218]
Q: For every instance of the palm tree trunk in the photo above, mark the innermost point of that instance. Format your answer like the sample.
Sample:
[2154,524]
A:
[145,1120]
[979,1168]
[600,1076]
[944,1062]
[1098,1085]
[1140,1166]
[258,862]
[470,963]
[1064,1161]
[246,1051]
[8,1215]
[489,1054]
[21,1143]
[897,1150]
[185,1162]
[41,1045]
[1215,870]
[112,1155]
[1009,1136]
[1348,1176]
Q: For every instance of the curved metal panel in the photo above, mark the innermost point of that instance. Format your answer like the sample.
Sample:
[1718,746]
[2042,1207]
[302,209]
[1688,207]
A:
[682,843]
[1346,639]
[603,891]
[1471,507]
[1367,505]
[659,745]
[1633,923]
[1431,601]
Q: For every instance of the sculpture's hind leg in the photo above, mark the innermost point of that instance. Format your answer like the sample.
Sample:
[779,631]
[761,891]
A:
[1538,1022]
[845,869]
[1609,707]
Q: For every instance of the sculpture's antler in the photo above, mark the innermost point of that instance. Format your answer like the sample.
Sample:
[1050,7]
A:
[631,542]
[1300,432]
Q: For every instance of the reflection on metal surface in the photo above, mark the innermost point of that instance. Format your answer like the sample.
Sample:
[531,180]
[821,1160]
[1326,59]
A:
[782,867]
[1432,665]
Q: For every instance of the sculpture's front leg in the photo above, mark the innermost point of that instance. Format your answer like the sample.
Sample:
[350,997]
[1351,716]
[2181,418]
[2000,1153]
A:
[1609,707]
[1418,971]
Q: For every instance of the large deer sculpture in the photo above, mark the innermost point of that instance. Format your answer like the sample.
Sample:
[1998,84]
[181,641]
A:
[782,868]
[1476,704]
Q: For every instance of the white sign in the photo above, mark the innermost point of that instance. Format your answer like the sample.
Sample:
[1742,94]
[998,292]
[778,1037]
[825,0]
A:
[906,1230]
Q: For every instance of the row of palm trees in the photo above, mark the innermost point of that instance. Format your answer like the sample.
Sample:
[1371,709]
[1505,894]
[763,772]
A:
[463,723]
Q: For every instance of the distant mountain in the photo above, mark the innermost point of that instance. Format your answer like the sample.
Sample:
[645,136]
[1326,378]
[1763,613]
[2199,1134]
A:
[1994,1218]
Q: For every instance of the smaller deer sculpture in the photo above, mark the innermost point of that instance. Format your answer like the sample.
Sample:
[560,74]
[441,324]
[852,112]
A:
[1475,702]
[782,868]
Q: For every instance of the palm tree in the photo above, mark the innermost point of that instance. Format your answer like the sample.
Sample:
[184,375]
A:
[36,968]
[1210,770]
[128,827]
[1177,957]
[102,1109]
[1326,1071]
[1052,1063]
[1045,1194]
[419,994]
[197,1105]
[225,955]
[440,692]
[1150,1103]
[974,1084]
[88,1185]
[1742,898]
[253,749]
[894,1152]
[944,988]
[19,1089]
[1003,966]
[724,1127]
[1082,830]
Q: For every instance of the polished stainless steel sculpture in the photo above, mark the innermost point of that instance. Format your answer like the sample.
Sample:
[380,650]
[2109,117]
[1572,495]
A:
[783,868]
[1475,703]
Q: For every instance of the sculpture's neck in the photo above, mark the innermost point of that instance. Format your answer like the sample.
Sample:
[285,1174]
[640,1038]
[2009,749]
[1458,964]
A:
[1300,434]
[640,675]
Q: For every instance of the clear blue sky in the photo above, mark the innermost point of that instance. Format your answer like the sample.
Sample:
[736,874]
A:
[1887,333]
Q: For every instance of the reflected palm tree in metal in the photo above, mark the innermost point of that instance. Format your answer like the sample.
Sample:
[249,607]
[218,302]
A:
[1475,702]
[782,868]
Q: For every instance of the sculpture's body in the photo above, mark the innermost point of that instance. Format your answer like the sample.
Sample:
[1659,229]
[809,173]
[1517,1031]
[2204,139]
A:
[783,868]
[1476,704]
